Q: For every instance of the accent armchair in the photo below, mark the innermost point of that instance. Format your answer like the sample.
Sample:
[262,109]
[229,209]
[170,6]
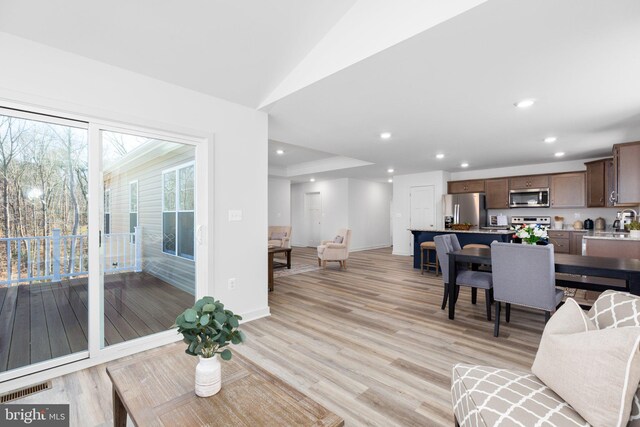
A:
[279,236]
[336,249]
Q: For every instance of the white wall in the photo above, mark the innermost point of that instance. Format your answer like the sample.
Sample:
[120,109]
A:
[279,201]
[362,206]
[402,238]
[570,214]
[335,206]
[369,214]
[73,84]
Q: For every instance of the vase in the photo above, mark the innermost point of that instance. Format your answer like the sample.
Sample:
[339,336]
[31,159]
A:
[634,233]
[208,376]
[524,242]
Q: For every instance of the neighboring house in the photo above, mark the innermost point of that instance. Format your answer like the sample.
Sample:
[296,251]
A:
[152,187]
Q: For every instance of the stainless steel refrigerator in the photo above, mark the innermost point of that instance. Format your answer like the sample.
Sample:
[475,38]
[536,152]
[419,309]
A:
[465,208]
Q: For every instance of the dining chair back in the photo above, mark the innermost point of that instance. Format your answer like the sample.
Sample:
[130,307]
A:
[524,275]
[446,243]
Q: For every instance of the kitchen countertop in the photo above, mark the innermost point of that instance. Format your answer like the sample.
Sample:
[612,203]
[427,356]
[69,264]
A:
[609,235]
[588,234]
[473,230]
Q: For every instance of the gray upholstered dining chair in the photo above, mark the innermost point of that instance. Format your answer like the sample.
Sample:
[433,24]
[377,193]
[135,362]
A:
[524,275]
[446,243]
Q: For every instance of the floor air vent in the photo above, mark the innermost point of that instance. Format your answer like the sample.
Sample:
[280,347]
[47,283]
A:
[24,392]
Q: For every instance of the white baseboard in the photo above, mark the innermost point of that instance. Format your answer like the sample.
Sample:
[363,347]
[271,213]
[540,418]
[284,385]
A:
[399,252]
[369,248]
[255,314]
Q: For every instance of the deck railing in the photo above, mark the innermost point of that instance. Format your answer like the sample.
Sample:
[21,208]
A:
[41,258]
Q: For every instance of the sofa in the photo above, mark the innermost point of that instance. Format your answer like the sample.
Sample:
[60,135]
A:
[592,387]
[279,236]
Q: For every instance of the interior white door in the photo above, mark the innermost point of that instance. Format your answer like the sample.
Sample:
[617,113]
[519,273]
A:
[313,215]
[422,200]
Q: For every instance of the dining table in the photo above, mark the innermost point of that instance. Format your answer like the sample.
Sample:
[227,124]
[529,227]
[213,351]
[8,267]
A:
[625,272]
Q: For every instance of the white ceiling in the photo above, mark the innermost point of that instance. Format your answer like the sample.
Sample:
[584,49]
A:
[235,50]
[450,88]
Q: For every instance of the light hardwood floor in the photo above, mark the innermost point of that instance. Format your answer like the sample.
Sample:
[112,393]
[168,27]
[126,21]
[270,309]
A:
[369,343]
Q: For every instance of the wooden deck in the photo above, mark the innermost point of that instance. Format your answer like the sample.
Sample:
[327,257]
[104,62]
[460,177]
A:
[45,321]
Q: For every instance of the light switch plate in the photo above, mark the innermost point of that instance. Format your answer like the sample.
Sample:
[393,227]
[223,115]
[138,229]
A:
[235,215]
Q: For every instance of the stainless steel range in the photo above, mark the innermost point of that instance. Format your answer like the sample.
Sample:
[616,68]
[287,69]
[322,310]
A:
[541,220]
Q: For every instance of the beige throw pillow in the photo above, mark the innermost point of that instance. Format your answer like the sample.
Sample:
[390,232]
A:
[595,371]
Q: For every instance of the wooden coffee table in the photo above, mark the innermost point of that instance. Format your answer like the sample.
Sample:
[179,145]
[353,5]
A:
[272,263]
[158,390]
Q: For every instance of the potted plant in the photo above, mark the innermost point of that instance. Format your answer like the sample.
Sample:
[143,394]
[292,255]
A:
[208,328]
[530,234]
[634,229]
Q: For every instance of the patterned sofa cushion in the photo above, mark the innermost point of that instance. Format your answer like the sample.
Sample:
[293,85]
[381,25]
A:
[484,396]
[615,309]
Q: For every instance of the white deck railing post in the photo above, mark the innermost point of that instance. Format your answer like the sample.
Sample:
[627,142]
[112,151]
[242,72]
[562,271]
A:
[56,254]
[138,243]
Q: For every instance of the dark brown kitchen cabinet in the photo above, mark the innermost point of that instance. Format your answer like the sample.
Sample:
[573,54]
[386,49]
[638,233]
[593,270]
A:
[560,241]
[497,193]
[471,186]
[600,183]
[526,182]
[568,190]
[575,245]
[626,163]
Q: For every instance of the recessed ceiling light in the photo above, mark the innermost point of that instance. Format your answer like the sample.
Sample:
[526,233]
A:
[280,152]
[390,170]
[464,165]
[389,180]
[385,135]
[525,103]
[550,139]
[559,154]
[440,156]
[312,180]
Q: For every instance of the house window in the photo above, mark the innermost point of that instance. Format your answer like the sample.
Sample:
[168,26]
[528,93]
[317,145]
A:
[107,211]
[178,211]
[133,206]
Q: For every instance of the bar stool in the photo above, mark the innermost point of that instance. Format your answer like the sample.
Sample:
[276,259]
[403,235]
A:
[428,247]
[476,245]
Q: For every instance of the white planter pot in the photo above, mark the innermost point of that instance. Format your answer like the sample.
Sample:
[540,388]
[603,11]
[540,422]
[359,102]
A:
[208,376]
[635,234]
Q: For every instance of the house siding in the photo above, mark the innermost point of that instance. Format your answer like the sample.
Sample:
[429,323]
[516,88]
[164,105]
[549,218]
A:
[177,271]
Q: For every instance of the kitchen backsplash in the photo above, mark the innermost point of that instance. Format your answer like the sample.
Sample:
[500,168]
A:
[570,215]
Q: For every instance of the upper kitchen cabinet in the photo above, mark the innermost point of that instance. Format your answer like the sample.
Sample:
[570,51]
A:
[525,182]
[600,183]
[568,190]
[471,186]
[497,193]
[626,164]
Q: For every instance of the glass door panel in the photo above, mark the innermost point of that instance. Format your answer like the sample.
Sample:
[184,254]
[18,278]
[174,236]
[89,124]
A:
[44,251]
[149,264]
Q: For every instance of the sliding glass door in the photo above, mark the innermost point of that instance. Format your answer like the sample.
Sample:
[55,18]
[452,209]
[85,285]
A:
[44,252]
[149,262]
[101,231]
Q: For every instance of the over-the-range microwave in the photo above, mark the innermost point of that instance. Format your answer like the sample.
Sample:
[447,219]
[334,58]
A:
[529,198]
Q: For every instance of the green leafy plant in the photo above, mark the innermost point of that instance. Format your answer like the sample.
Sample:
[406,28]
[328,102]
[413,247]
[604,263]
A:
[208,328]
[634,225]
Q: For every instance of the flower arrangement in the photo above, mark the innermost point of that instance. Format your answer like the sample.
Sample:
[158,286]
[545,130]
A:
[530,234]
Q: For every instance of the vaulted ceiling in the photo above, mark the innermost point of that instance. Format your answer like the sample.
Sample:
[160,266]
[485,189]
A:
[441,76]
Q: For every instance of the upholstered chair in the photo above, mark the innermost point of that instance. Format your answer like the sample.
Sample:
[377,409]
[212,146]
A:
[446,243]
[336,249]
[524,275]
[279,236]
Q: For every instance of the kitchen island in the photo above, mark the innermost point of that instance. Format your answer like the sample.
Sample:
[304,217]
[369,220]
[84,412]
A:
[475,235]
